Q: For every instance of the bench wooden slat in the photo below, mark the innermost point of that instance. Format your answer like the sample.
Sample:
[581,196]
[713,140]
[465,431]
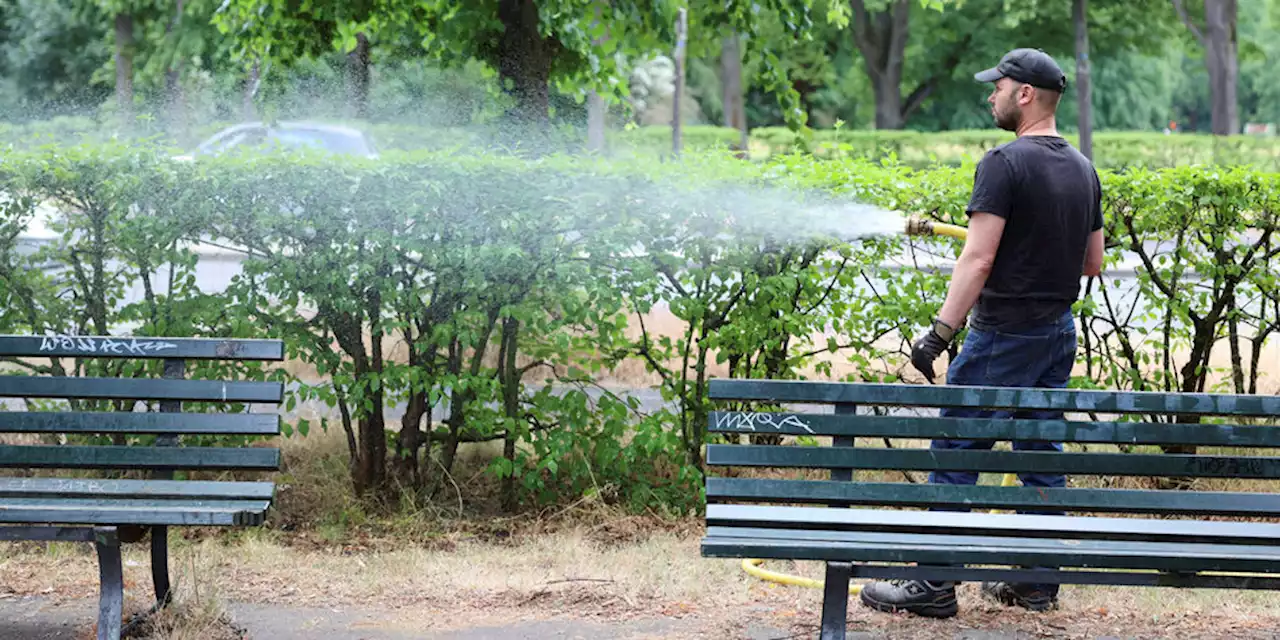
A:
[943,549]
[141,389]
[922,427]
[139,423]
[141,347]
[993,524]
[152,489]
[142,512]
[142,458]
[1120,464]
[800,391]
[136,504]
[899,494]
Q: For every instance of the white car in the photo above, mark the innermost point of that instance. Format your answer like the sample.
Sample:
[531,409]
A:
[292,135]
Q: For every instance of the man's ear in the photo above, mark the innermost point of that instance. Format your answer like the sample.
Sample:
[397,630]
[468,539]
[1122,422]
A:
[1026,94]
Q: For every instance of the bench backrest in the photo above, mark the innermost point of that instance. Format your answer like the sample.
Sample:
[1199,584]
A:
[169,424]
[899,411]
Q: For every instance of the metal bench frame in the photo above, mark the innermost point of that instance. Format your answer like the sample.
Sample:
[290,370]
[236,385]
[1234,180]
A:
[875,529]
[93,510]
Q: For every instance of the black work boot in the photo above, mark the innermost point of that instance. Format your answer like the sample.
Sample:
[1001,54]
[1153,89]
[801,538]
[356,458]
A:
[921,597]
[1027,596]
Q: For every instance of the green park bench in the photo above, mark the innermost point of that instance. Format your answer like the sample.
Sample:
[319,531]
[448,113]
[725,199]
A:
[880,530]
[97,505]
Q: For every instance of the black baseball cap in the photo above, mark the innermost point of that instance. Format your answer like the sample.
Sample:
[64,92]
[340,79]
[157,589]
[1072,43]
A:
[1030,66]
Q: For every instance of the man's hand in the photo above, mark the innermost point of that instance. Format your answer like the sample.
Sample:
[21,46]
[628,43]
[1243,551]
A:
[929,347]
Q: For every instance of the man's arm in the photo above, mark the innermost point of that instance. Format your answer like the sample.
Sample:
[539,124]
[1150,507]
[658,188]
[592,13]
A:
[1093,255]
[1097,243]
[972,268]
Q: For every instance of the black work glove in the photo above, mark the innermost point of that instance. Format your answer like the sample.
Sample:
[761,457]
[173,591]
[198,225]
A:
[930,346]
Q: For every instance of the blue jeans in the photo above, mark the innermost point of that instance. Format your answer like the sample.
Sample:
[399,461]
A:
[1040,356]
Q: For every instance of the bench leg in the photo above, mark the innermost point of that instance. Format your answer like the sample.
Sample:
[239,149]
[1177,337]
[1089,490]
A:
[160,565]
[111,573]
[835,600]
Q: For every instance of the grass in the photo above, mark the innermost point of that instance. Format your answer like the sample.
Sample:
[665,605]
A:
[586,563]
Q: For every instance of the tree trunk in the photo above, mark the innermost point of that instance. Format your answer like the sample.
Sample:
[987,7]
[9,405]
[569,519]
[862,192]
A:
[1218,37]
[1084,89]
[595,121]
[247,111]
[524,63]
[510,405]
[596,108]
[173,94]
[371,468]
[124,67]
[735,107]
[358,76]
[1220,58]
[677,129]
[881,38]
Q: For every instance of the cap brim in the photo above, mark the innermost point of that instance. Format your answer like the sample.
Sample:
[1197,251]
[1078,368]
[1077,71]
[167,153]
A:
[990,75]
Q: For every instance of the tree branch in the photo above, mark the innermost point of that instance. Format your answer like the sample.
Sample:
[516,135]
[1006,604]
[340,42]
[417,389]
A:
[1186,19]
[922,92]
[863,35]
[826,294]
[647,354]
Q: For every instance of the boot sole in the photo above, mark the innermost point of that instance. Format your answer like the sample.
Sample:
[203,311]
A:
[928,610]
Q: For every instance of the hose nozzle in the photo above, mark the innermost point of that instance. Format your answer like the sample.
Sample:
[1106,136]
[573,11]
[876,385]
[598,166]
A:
[917,226]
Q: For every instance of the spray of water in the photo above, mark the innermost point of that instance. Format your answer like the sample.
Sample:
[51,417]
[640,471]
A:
[462,113]
[794,216]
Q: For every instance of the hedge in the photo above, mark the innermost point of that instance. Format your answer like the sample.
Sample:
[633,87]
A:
[1113,150]
[507,294]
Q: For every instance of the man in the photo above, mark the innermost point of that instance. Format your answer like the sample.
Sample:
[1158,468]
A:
[1035,227]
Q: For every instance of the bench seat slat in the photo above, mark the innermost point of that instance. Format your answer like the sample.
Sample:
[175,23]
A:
[923,427]
[141,512]
[943,549]
[141,347]
[1121,464]
[1110,577]
[142,489]
[900,494]
[989,524]
[138,422]
[803,391]
[140,389]
[141,458]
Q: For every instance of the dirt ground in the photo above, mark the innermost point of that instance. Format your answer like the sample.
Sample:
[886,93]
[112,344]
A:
[612,581]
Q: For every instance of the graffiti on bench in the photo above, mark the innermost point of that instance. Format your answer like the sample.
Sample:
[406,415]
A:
[105,346]
[745,421]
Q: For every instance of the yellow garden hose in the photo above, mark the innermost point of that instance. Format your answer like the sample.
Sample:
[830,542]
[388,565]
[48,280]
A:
[752,565]
[917,226]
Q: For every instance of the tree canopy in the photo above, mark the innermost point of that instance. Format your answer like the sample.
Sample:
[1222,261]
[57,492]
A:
[863,63]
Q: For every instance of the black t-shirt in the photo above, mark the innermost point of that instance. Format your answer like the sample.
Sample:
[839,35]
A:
[1051,200]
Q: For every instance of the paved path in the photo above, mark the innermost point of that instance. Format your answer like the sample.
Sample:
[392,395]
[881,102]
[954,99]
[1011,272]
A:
[43,619]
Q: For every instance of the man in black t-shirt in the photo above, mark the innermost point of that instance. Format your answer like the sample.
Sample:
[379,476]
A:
[1035,228]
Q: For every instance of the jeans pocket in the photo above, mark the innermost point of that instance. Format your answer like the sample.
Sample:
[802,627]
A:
[1017,360]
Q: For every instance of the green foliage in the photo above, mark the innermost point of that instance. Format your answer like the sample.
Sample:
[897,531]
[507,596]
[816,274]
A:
[1114,150]
[489,297]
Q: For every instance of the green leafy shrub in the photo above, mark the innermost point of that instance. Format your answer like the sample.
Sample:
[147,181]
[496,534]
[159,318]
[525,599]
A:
[1111,149]
[506,294]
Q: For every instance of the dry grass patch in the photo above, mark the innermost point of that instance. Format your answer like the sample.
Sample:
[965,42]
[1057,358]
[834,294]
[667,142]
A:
[597,569]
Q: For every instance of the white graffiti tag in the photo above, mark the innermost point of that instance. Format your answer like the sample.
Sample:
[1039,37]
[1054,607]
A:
[104,346]
[741,421]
